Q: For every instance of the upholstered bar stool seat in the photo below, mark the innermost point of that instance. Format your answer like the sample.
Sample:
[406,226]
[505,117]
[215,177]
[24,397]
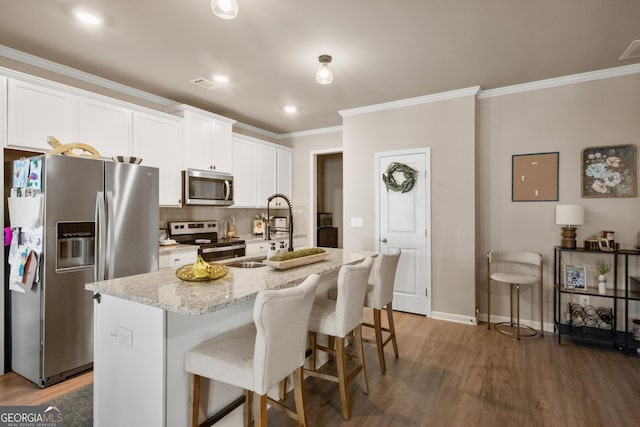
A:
[337,319]
[258,356]
[517,269]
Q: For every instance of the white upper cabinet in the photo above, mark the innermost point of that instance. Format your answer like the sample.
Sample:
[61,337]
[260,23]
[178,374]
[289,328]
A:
[266,173]
[284,175]
[260,169]
[157,139]
[3,111]
[36,112]
[207,139]
[245,176]
[104,126]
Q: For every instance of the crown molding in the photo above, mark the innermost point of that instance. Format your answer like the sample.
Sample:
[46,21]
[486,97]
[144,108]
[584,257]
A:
[442,96]
[311,132]
[257,130]
[45,64]
[561,81]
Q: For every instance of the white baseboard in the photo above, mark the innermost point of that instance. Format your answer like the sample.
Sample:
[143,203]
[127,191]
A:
[535,324]
[457,318]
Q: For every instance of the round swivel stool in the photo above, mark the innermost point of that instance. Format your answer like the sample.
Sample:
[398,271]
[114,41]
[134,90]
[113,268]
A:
[514,260]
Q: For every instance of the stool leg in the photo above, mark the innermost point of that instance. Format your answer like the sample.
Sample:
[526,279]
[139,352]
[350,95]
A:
[488,302]
[518,304]
[248,408]
[392,328]
[360,352]
[195,400]
[541,318]
[298,391]
[313,337]
[511,304]
[261,420]
[377,325]
[342,377]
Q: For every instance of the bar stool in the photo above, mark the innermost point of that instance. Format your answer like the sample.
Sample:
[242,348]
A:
[380,296]
[515,270]
[337,319]
[258,356]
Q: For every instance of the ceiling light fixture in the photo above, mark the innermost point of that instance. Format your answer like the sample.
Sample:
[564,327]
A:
[324,76]
[225,9]
[220,78]
[290,109]
[88,17]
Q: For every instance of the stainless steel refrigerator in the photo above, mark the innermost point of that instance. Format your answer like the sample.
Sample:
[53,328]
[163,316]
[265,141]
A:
[101,221]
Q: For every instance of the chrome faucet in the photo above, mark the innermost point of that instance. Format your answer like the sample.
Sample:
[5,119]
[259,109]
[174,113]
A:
[268,226]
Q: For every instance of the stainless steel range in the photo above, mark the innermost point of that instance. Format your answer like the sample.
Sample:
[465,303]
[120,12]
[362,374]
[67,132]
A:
[205,235]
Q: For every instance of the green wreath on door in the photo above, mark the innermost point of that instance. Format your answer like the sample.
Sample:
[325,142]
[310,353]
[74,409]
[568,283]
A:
[409,177]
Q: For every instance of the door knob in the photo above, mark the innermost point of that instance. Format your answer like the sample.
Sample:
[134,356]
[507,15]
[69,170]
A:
[383,240]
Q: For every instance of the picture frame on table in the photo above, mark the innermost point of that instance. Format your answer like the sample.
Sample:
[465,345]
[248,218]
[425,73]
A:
[575,277]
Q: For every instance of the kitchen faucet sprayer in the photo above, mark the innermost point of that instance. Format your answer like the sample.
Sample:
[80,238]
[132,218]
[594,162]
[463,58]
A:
[268,226]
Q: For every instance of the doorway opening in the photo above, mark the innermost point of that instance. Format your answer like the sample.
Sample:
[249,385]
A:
[326,217]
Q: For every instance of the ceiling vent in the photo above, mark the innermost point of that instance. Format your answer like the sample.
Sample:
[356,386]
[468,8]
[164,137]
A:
[202,82]
[632,52]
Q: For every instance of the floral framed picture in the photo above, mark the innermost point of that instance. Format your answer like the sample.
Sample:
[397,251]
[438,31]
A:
[575,277]
[609,171]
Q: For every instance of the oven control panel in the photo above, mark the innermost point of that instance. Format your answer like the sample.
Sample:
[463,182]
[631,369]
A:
[193,227]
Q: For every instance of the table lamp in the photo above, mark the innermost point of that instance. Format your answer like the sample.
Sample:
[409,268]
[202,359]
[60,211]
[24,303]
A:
[569,216]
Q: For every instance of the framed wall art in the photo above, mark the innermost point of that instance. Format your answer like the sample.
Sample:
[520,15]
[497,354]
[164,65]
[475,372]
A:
[575,277]
[534,177]
[609,171]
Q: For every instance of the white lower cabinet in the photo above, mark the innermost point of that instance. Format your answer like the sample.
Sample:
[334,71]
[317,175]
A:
[177,259]
[157,139]
[256,248]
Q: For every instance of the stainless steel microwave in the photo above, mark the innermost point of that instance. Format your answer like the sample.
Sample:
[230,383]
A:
[200,187]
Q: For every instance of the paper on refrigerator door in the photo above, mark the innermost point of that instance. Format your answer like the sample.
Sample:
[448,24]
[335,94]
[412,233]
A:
[25,212]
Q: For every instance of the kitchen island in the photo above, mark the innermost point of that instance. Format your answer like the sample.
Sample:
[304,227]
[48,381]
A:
[144,325]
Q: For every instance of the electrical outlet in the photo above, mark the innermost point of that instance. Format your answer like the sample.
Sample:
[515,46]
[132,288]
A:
[585,300]
[125,336]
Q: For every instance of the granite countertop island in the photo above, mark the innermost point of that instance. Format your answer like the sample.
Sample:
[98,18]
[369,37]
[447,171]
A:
[144,325]
[162,289]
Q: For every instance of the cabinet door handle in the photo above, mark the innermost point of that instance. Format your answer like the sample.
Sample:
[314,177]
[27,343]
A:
[383,240]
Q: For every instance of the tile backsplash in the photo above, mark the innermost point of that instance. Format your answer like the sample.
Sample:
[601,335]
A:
[244,217]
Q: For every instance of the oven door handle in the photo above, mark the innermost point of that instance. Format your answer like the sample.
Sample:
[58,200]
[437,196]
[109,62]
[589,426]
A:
[222,249]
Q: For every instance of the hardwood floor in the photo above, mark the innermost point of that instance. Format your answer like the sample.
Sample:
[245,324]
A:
[15,390]
[455,375]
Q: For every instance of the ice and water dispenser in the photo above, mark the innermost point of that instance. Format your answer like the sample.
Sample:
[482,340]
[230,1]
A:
[76,245]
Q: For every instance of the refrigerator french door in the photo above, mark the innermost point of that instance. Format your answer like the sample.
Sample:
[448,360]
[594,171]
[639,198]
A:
[100,222]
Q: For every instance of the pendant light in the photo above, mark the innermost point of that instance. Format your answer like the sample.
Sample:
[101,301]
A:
[225,9]
[324,76]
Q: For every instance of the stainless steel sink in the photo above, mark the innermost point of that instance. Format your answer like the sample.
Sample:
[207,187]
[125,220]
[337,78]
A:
[246,264]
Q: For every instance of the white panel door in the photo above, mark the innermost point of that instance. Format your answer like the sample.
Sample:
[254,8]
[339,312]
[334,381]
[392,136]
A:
[403,223]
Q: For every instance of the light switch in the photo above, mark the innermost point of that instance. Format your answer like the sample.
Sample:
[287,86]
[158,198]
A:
[356,222]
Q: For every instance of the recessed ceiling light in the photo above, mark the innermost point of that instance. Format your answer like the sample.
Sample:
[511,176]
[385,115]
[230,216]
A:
[88,17]
[220,78]
[290,109]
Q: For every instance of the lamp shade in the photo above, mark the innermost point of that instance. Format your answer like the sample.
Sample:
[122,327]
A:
[569,214]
